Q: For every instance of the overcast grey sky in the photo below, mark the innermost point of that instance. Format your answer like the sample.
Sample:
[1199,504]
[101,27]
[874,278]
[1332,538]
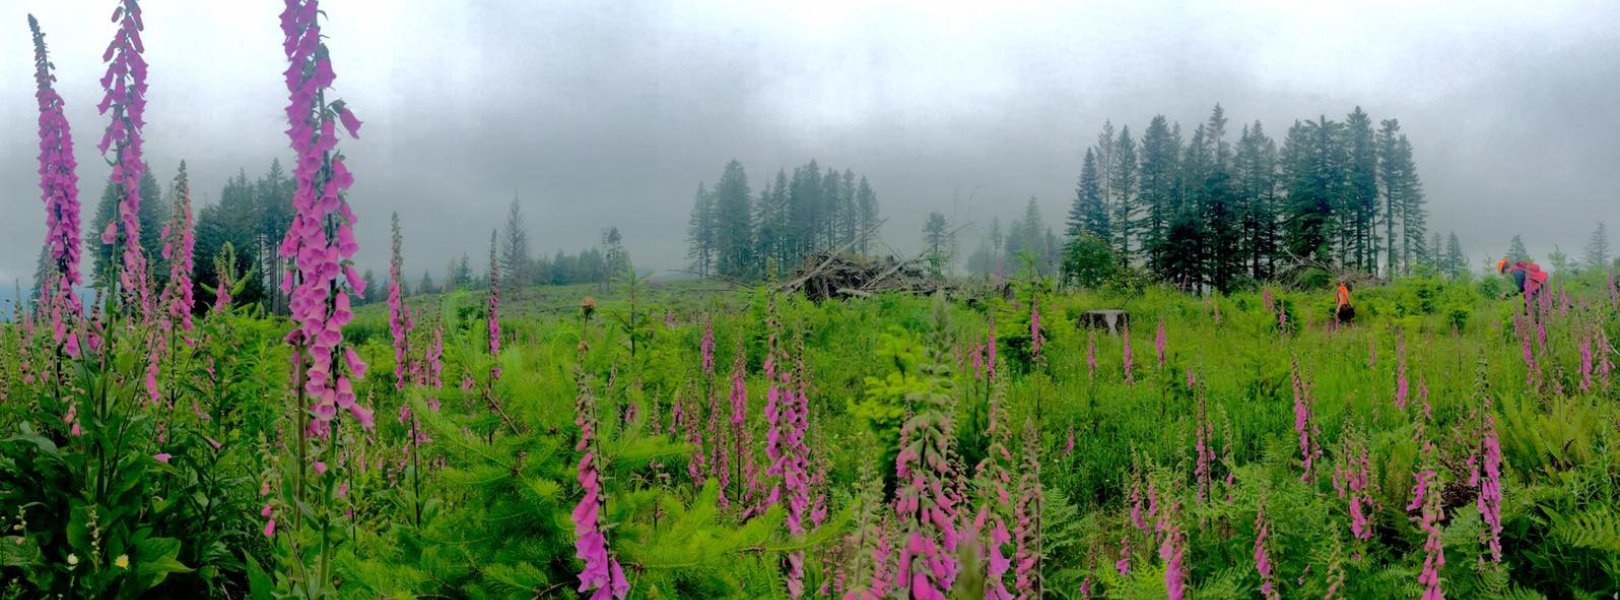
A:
[610,113]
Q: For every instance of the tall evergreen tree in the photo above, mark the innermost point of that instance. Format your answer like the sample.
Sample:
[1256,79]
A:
[1516,250]
[1597,248]
[1255,174]
[939,244]
[700,232]
[1456,263]
[1122,186]
[867,204]
[515,261]
[1390,184]
[1088,215]
[849,217]
[1158,190]
[1314,158]
[1105,163]
[1414,214]
[734,223]
[1362,191]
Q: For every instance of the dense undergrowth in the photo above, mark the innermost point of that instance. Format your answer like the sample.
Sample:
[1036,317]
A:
[108,491]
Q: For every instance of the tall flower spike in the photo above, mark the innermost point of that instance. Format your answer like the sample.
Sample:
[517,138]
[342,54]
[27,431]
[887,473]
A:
[59,189]
[320,243]
[1262,558]
[399,314]
[924,509]
[1304,424]
[178,244]
[1125,355]
[125,97]
[1159,343]
[602,574]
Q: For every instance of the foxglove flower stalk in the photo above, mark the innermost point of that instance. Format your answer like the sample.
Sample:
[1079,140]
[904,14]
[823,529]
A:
[1262,559]
[178,244]
[1172,550]
[602,575]
[1126,355]
[320,242]
[1427,501]
[1204,452]
[1304,423]
[1123,565]
[59,189]
[926,512]
[1027,529]
[1352,480]
[1489,500]
[125,97]
[1159,343]
[399,313]
[995,501]
[435,359]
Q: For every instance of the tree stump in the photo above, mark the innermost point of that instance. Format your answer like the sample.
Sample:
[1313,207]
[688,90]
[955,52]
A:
[1112,320]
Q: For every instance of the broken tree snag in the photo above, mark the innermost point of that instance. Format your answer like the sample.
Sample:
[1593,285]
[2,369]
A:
[1112,320]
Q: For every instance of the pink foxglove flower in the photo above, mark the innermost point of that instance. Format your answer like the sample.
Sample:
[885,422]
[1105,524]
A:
[1159,343]
[1123,565]
[1262,559]
[1489,500]
[125,98]
[1304,424]
[59,189]
[1172,550]
[1026,530]
[926,512]
[399,313]
[601,575]
[320,242]
[1352,481]
[178,244]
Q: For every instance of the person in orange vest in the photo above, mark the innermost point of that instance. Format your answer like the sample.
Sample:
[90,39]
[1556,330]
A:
[1342,309]
[1527,278]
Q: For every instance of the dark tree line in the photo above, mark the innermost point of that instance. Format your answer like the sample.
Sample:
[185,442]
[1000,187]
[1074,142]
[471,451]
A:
[735,234]
[1206,212]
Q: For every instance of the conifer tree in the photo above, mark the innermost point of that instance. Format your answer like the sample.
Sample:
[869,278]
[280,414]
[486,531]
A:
[867,204]
[1088,215]
[516,268]
[734,223]
[1597,248]
[700,232]
[1123,199]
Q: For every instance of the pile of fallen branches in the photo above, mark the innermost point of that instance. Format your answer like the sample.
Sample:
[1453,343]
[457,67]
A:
[824,276]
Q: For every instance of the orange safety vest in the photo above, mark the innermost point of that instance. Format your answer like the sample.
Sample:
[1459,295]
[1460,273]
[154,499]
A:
[1343,295]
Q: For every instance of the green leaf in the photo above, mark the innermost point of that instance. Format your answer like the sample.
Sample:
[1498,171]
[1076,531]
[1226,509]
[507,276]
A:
[260,587]
[155,559]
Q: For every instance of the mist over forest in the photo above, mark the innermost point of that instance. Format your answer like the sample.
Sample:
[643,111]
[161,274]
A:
[597,118]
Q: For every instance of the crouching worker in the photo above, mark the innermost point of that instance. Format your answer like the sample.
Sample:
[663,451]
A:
[1527,278]
[1343,311]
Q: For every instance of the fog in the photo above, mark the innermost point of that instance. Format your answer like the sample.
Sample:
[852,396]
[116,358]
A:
[611,113]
